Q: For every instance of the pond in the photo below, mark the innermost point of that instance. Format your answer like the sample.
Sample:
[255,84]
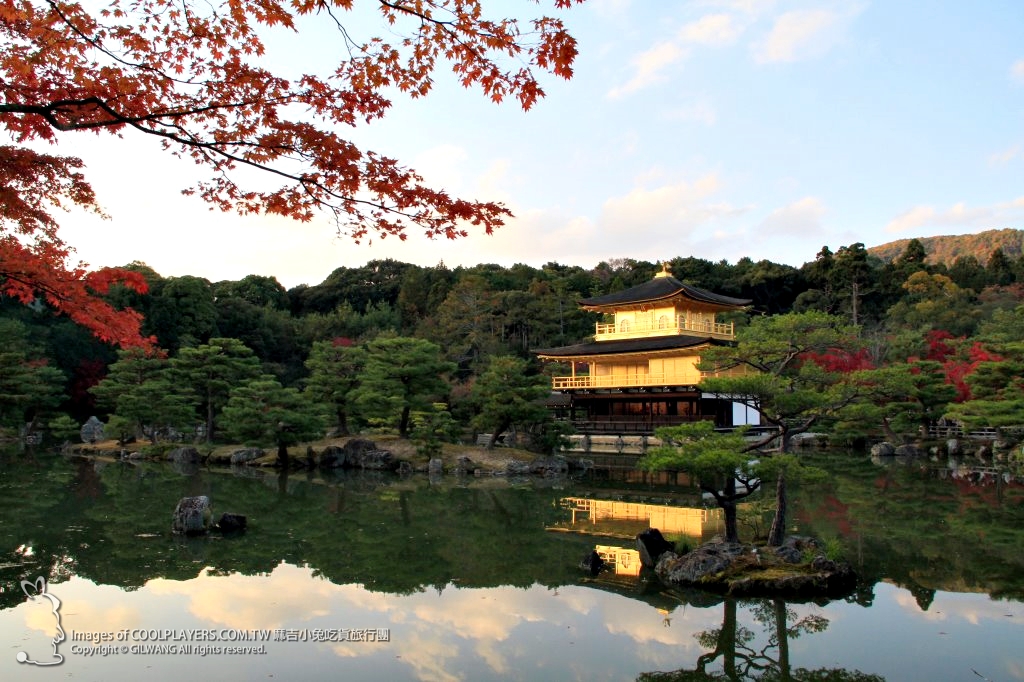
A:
[364,577]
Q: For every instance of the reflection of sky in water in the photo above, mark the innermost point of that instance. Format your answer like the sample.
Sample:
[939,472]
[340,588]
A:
[573,632]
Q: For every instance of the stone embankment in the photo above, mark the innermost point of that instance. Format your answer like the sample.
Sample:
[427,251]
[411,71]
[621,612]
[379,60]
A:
[358,454]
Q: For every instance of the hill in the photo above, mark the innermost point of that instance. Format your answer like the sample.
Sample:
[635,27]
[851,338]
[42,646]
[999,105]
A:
[946,249]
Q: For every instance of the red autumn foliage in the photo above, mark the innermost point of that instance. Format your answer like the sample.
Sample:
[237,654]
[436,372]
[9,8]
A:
[197,76]
[948,350]
[34,260]
[938,350]
[837,360]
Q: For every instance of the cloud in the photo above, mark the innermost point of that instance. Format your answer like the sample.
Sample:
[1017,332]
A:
[658,216]
[648,67]
[712,29]
[752,7]
[1005,156]
[701,111]
[800,218]
[959,216]
[237,603]
[801,34]
[676,204]
[1017,71]
[442,165]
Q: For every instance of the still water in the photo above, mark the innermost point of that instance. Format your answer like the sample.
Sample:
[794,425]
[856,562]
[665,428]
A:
[371,577]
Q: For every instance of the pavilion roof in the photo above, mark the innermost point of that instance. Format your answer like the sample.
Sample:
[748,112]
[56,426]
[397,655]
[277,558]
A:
[644,345]
[662,288]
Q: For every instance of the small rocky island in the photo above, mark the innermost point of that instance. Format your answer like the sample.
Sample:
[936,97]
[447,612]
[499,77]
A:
[797,569]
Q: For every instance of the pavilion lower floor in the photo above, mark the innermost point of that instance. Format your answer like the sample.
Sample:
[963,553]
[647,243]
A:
[638,411]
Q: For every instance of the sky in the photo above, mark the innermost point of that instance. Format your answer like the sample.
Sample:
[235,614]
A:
[717,129]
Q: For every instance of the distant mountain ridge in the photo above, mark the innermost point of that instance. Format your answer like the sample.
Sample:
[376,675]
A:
[946,249]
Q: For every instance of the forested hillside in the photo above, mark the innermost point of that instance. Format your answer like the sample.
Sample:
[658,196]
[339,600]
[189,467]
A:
[327,341]
[947,249]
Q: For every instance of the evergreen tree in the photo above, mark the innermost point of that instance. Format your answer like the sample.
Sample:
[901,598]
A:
[402,374]
[212,370]
[335,370]
[140,388]
[506,395]
[261,412]
[717,461]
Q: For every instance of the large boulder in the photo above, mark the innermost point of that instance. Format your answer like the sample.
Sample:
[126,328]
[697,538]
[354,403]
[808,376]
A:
[355,450]
[192,515]
[882,449]
[332,457]
[516,467]
[705,561]
[652,544]
[378,460]
[245,455]
[184,456]
[231,523]
[358,453]
[809,440]
[92,430]
[796,548]
[554,465]
[908,450]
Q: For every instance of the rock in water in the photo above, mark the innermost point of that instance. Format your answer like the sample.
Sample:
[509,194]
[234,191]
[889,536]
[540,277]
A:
[231,523]
[592,563]
[652,544]
[192,515]
[184,455]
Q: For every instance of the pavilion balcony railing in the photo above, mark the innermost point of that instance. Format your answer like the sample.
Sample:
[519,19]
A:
[664,327]
[586,381]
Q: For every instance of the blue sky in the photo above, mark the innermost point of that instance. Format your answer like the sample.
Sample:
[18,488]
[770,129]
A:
[715,128]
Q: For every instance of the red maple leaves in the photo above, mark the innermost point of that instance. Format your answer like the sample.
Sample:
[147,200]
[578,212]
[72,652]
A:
[194,75]
[33,259]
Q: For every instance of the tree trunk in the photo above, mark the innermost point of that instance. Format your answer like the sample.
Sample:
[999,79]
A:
[282,455]
[782,634]
[729,511]
[209,418]
[494,435]
[725,646]
[784,437]
[727,640]
[728,504]
[778,529]
[403,425]
[890,435]
[342,423]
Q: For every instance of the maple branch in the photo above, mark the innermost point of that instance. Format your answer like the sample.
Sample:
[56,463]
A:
[424,18]
[96,43]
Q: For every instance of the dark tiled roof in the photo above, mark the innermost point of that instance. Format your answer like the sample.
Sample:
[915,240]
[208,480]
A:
[626,346]
[661,288]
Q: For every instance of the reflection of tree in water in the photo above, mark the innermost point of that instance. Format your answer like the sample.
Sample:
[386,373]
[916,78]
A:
[743,660]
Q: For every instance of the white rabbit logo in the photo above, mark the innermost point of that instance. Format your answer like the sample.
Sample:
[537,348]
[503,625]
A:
[35,591]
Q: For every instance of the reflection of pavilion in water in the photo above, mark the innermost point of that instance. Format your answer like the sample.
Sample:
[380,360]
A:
[617,519]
